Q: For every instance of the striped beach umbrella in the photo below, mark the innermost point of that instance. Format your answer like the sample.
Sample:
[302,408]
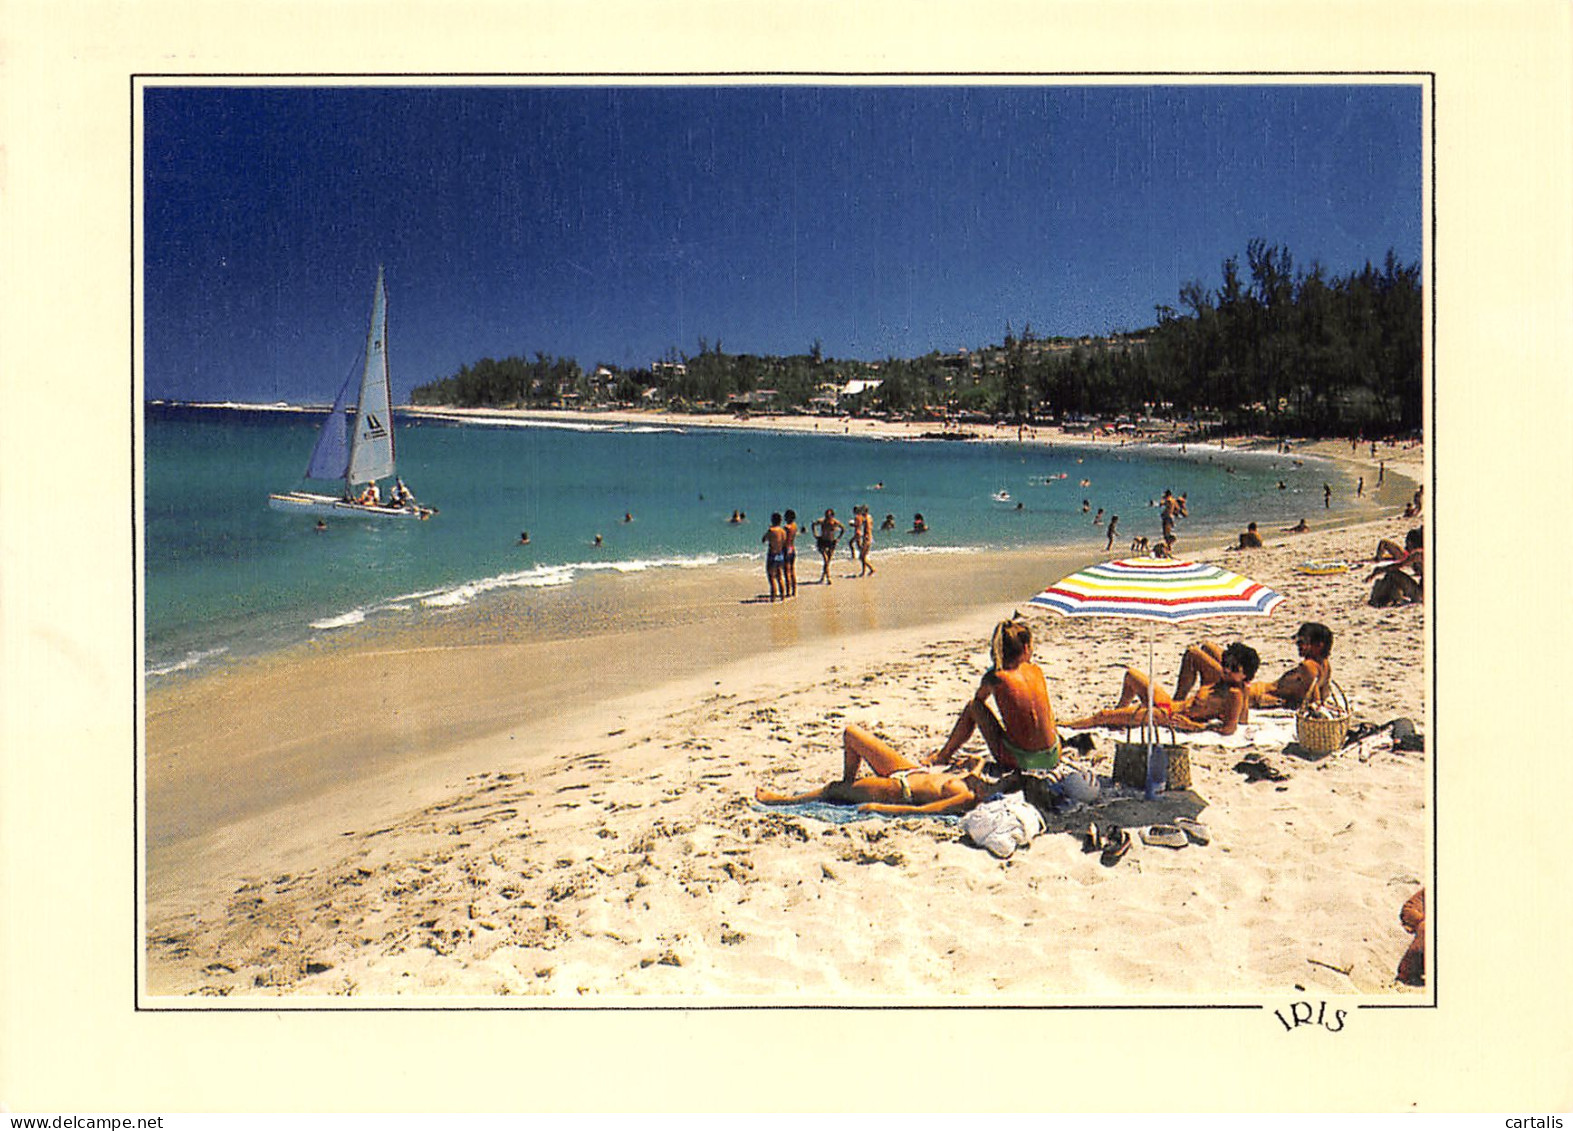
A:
[1157,589]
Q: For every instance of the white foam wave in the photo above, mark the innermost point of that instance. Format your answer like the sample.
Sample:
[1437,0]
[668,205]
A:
[191,660]
[553,576]
[343,620]
[249,406]
[639,565]
[541,577]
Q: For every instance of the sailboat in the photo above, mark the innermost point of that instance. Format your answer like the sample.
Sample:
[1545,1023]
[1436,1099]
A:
[357,448]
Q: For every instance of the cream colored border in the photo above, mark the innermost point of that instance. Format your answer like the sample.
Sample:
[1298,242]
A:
[69,1037]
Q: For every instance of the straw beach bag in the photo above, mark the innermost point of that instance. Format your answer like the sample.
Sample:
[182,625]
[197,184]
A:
[1322,727]
[1130,759]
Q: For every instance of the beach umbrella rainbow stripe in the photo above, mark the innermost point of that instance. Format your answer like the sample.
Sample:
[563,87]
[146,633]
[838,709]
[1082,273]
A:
[1157,589]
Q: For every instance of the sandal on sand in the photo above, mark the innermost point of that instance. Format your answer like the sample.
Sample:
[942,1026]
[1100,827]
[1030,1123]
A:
[1257,768]
[1116,843]
[1193,829]
[1089,839]
[1165,835]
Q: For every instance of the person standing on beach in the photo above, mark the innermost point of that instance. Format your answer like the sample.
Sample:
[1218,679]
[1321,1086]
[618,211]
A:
[1360,488]
[774,540]
[789,556]
[1023,736]
[863,534]
[1327,495]
[827,532]
[1113,522]
[1381,471]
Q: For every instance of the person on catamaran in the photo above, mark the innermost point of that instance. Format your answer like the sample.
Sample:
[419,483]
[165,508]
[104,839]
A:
[370,497]
[401,496]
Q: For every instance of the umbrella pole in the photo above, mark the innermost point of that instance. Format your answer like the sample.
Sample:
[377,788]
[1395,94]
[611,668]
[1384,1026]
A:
[1156,779]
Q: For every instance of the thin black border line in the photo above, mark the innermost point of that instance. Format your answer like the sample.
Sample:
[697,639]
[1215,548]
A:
[138,680]
[139,82]
[1432,979]
[488,76]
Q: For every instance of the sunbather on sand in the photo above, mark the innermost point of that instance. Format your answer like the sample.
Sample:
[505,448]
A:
[1022,736]
[1203,664]
[1388,550]
[1394,586]
[896,784]
[1222,707]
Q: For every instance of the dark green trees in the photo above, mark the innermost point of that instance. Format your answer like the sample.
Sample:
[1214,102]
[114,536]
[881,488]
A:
[1271,350]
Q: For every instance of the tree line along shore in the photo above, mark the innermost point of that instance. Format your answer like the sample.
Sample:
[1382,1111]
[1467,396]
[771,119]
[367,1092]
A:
[1272,349]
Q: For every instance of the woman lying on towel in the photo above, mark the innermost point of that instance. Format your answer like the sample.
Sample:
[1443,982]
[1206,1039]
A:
[1220,706]
[897,784]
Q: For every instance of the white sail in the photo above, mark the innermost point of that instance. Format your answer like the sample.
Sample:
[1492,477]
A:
[363,451]
[371,441]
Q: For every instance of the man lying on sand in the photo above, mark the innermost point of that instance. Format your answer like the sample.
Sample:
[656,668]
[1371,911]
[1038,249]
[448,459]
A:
[1310,678]
[1023,735]
[1221,707]
[896,785]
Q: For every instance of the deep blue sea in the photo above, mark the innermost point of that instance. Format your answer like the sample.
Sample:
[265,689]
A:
[226,576]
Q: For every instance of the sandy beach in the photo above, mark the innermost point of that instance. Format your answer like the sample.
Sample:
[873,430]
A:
[522,810]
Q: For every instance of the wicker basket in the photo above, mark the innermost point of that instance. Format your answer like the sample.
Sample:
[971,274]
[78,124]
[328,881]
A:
[1324,735]
[1130,762]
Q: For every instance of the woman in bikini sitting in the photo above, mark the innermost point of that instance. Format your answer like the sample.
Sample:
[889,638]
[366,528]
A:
[1220,707]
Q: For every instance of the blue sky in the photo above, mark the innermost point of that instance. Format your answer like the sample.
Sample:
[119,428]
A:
[615,223]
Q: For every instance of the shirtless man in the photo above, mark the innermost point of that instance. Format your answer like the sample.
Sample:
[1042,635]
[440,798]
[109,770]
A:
[1310,678]
[1222,707]
[789,556]
[775,553]
[896,783]
[1023,735]
[827,532]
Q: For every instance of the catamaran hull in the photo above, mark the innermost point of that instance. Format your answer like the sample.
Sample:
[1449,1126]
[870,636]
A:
[304,502]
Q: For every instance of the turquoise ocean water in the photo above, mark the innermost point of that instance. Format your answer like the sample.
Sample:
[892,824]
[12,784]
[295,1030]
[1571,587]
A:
[225,576]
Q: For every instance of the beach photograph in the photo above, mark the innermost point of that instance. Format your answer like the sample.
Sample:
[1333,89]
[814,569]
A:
[503,696]
[628,563]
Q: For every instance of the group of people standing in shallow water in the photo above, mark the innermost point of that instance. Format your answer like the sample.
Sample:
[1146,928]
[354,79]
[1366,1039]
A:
[1214,691]
[780,541]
